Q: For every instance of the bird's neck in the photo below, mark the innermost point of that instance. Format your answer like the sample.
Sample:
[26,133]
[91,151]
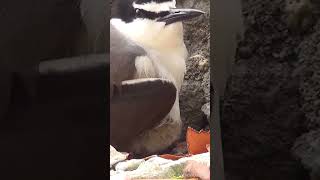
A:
[152,35]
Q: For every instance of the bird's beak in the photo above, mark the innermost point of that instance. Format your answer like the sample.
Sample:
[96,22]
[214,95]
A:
[178,15]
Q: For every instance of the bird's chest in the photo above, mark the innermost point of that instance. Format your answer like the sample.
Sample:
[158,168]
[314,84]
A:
[164,65]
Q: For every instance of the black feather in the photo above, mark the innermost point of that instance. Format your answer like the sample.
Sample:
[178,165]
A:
[124,10]
[147,1]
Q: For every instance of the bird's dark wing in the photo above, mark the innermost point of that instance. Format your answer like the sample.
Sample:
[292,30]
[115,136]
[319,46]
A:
[141,106]
[123,53]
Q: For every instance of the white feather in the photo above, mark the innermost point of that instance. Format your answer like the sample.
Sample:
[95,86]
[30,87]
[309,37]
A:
[156,7]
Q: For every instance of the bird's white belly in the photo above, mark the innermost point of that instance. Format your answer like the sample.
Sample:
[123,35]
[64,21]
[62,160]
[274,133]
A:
[170,67]
[169,130]
[168,64]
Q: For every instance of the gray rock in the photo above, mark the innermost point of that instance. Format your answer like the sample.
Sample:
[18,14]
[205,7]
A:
[196,88]
[206,110]
[206,85]
[309,57]
[191,101]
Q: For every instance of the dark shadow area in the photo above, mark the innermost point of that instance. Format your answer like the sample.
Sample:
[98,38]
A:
[53,113]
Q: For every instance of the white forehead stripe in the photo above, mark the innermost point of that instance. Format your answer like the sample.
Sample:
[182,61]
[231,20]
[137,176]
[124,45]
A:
[156,7]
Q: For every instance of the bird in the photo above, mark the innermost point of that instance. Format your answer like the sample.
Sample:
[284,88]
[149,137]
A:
[122,68]
[154,96]
[156,27]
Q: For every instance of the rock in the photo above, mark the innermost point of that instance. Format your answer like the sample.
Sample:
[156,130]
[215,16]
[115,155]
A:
[191,100]
[307,150]
[299,14]
[206,110]
[203,65]
[310,77]
[271,97]
[195,90]
[206,86]
[245,52]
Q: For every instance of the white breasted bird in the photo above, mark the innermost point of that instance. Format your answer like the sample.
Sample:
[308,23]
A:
[154,49]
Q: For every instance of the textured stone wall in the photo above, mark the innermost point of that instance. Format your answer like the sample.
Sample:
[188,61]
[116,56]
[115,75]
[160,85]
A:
[195,93]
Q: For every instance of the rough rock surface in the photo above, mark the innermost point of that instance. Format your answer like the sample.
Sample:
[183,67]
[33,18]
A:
[195,92]
[271,99]
[309,58]
[307,149]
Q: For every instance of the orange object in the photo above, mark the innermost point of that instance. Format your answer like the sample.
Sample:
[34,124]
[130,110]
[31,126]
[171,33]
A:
[197,141]
[172,157]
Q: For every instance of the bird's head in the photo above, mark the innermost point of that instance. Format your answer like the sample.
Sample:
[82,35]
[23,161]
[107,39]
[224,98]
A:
[151,23]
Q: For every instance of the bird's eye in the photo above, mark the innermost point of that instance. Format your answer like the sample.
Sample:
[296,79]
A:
[139,13]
